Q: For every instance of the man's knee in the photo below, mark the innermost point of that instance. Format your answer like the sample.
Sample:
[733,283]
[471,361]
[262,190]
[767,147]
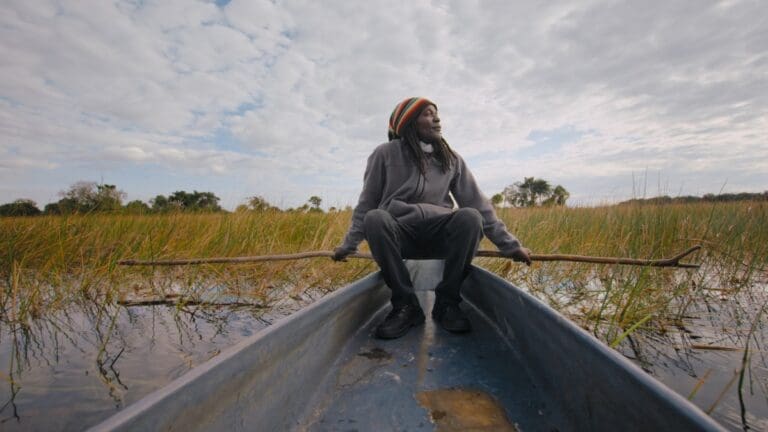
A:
[469,218]
[375,219]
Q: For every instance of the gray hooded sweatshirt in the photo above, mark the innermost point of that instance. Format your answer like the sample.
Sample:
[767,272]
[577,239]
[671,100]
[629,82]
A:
[393,182]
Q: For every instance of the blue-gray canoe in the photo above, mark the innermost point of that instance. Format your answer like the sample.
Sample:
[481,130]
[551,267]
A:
[523,367]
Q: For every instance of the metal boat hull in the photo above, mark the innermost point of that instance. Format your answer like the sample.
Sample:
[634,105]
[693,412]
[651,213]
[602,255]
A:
[524,367]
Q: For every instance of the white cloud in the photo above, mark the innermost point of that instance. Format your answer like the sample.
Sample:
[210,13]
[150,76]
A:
[287,99]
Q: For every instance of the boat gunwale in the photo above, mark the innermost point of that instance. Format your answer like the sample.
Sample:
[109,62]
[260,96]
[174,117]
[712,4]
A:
[489,293]
[585,340]
[133,415]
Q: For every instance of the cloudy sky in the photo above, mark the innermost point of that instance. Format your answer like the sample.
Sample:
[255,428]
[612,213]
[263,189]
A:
[286,99]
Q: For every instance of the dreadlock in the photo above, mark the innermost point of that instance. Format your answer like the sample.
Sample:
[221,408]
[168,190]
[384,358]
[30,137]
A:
[442,151]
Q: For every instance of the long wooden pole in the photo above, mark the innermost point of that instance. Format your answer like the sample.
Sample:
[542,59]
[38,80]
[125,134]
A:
[664,262]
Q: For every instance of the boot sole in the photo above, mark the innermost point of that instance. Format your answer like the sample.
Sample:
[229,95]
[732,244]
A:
[459,329]
[417,322]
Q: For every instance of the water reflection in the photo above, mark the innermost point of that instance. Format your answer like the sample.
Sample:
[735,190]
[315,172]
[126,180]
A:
[79,365]
[82,363]
[702,323]
[701,353]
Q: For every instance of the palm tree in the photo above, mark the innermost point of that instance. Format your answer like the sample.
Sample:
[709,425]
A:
[315,201]
[259,204]
[497,199]
[560,195]
[540,189]
[532,192]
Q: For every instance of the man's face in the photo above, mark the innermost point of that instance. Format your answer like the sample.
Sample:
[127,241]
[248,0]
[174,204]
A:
[428,125]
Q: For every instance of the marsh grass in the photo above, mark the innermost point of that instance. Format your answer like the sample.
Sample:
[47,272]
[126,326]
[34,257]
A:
[60,286]
[49,262]
[609,300]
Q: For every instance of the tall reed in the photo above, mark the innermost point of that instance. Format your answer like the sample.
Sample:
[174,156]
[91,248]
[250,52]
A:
[47,262]
[734,257]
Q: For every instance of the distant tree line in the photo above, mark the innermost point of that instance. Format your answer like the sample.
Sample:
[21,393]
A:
[86,197]
[184,201]
[259,204]
[727,197]
[20,207]
[531,192]
[90,197]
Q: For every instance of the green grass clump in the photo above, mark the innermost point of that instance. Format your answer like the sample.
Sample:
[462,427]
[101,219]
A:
[46,262]
[734,257]
[49,262]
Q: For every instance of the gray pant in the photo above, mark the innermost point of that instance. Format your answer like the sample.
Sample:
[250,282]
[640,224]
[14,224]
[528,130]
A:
[453,237]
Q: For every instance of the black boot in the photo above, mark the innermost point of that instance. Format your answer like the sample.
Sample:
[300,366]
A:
[451,317]
[399,321]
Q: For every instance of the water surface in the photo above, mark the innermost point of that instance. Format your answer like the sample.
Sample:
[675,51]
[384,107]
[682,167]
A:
[80,365]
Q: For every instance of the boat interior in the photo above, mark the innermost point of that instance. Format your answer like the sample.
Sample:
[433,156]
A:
[432,378]
[522,367]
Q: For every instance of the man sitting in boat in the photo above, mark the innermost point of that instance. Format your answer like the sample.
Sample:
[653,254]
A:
[406,210]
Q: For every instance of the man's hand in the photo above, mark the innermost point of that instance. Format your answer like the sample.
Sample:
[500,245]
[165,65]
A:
[520,254]
[340,254]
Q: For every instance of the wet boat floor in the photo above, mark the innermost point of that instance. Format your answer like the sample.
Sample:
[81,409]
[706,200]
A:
[431,379]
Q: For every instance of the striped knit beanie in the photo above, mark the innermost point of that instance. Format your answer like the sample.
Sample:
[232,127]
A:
[404,113]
